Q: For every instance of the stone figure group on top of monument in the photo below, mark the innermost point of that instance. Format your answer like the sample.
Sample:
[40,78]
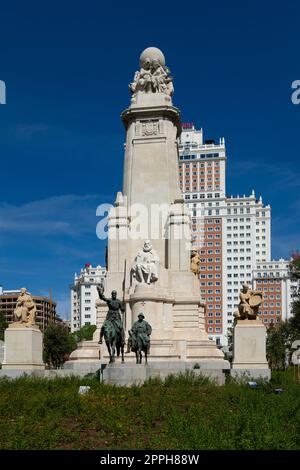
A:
[153,76]
[25,311]
[112,328]
[139,338]
[145,265]
[250,301]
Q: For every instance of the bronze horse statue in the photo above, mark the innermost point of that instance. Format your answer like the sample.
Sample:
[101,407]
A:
[136,345]
[114,342]
[112,329]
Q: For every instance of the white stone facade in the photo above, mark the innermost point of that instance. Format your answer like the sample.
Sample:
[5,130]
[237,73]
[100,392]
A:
[84,295]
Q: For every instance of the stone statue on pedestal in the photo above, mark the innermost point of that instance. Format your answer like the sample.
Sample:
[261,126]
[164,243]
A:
[249,338]
[25,310]
[139,338]
[112,328]
[145,266]
[250,301]
[23,338]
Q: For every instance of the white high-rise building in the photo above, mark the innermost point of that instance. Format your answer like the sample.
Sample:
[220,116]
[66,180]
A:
[84,295]
[231,233]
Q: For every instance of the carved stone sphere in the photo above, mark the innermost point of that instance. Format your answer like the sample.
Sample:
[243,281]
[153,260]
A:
[152,53]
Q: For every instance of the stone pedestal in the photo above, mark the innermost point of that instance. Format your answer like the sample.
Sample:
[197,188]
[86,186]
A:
[129,374]
[85,358]
[23,349]
[125,375]
[249,350]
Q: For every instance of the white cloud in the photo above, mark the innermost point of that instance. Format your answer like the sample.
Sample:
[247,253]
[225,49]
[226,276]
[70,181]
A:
[288,178]
[24,131]
[70,214]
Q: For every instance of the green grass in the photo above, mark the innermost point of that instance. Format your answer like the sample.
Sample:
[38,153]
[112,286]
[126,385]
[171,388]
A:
[183,413]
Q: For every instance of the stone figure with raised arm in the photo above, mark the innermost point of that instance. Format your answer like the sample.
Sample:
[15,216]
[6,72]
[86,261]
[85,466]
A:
[250,301]
[25,310]
[145,265]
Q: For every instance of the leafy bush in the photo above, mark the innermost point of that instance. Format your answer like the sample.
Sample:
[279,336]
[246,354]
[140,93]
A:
[3,325]
[58,344]
[85,333]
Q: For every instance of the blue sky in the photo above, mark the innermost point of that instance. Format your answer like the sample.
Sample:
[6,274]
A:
[67,66]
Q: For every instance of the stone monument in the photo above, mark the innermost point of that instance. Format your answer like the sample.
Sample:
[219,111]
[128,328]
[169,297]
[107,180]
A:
[249,338]
[23,338]
[153,268]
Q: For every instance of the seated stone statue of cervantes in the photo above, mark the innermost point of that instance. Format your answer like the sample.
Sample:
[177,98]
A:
[145,265]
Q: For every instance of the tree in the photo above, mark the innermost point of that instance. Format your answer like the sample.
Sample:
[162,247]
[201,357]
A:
[3,325]
[294,321]
[58,344]
[277,345]
[85,333]
[280,338]
[295,266]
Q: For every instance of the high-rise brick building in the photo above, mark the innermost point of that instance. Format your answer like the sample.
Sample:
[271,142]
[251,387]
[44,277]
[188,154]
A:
[231,233]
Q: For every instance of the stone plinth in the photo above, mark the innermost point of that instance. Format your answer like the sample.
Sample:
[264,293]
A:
[129,374]
[86,357]
[249,350]
[23,349]
[125,375]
